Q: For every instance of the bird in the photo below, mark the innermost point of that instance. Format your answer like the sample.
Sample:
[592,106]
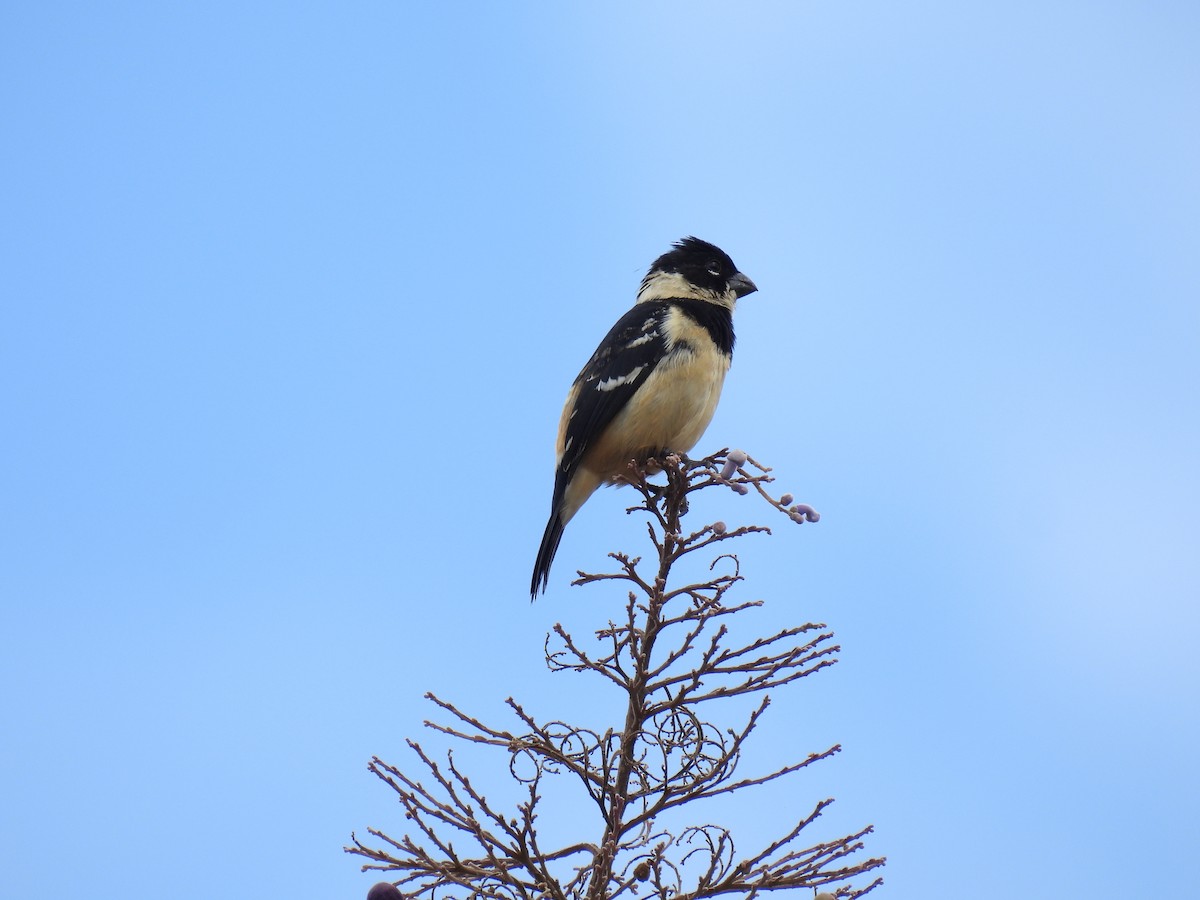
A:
[651,386]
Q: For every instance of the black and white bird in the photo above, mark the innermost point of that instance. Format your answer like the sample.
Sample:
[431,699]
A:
[652,384]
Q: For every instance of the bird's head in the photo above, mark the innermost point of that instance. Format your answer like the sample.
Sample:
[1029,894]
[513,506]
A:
[695,269]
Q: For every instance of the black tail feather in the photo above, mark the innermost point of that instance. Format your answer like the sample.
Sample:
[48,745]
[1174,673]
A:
[541,568]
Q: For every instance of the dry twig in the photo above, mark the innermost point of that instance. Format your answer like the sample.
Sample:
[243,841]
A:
[670,655]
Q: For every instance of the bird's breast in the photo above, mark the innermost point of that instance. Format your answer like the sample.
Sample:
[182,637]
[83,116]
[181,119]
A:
[671,409]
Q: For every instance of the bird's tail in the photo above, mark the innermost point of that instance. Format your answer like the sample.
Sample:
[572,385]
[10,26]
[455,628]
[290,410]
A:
[541,568]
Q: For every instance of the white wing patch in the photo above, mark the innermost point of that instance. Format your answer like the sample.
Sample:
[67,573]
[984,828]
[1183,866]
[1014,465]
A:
[610,384]
[649,333]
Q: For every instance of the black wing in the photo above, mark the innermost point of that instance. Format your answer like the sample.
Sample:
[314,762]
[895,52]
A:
[621,364]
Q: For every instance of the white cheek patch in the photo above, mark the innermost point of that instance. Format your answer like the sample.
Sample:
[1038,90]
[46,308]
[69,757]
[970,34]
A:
[664,286]
[673,286]
[609,384]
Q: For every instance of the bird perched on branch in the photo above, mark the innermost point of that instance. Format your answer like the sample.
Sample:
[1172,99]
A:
[652,384]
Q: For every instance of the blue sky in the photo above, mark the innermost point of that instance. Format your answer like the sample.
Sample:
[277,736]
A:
[292,296]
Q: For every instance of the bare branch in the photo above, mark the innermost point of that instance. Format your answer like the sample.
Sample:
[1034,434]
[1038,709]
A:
[670,655]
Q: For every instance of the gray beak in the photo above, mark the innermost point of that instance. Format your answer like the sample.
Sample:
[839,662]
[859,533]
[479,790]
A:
[741,285]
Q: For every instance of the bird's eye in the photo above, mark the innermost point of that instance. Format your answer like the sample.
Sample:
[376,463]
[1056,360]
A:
[714,268]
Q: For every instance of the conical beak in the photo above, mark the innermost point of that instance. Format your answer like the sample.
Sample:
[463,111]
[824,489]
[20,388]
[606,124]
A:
[741,285]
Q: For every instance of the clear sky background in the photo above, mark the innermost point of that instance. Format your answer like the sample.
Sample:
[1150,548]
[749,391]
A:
[292,294]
